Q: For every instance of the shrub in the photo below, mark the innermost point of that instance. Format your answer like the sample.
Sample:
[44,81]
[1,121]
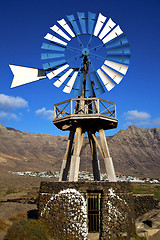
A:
[27,230]
[3,225]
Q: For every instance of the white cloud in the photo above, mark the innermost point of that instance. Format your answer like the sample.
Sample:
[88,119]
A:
[6,116]
[156,122]
[135,115]
[141,119]
[9,102]
[49,114]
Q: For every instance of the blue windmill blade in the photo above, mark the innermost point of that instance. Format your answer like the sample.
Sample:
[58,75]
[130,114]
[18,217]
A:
[124,49]
[118,41]
[51,55]
[91,22]
[119,58]
[72,20]
[47,46]
[54,64]
[88,87]
[79,86]
[98,86]
[81,17]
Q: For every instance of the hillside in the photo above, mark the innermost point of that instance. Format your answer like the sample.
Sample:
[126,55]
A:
[135,151]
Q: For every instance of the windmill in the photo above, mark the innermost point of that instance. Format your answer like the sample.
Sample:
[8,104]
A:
[88,54]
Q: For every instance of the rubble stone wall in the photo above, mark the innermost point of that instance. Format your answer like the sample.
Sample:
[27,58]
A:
[144,203]
[63,206]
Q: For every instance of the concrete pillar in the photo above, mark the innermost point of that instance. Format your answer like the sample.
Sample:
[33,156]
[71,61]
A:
[107,159]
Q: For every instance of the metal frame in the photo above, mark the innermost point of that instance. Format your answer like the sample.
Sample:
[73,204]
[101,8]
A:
[94,211]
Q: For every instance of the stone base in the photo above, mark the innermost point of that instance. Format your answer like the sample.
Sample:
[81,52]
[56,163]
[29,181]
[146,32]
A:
[63,206]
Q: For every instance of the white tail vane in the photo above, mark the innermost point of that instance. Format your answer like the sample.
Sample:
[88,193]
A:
[57,71]
[63,23]
[107,82]
[117,66]
[60,32]
[109,25]
[52,38]
[24,75]
[70,83]
[61,80]
[99,24]
[114,75]
[115,33]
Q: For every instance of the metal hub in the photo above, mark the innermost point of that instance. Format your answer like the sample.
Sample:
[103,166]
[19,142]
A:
[85,51]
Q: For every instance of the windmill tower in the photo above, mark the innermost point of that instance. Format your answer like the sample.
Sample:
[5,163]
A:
[70,58]
[85,117]
[87,54]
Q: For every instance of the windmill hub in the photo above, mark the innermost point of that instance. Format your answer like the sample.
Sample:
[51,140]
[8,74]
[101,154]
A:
[85,51]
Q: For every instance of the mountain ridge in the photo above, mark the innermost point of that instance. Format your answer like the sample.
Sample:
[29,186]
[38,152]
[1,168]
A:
[135,151]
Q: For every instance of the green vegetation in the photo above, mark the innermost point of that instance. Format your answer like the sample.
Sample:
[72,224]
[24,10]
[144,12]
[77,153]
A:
[146,188]
[139,238]
[11,190]
[27,229]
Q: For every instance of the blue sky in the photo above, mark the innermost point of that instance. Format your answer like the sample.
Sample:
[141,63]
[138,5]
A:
[24,24]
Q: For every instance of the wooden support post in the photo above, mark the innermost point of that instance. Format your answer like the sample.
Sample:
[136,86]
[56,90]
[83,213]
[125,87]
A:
[67,158]
[95,161]
[75,159]
[98,145]
[107,159]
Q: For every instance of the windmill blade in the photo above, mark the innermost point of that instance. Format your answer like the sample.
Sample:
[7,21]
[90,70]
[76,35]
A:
[107,28]
[112,74]
[57,71]
[50,65]
[78,90]
[51,55]
[91,22]
[81,17]
[60,32]
[98,86]
[52,38]
[100,21]
[47,46]
[69,85]
[123,49]
[61,80]
[72,20]
[113,34]
[117,66]
[24,75]
[119,58]
[63,24]
[118,41]
[45,56]
[88,88]
[107,82]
